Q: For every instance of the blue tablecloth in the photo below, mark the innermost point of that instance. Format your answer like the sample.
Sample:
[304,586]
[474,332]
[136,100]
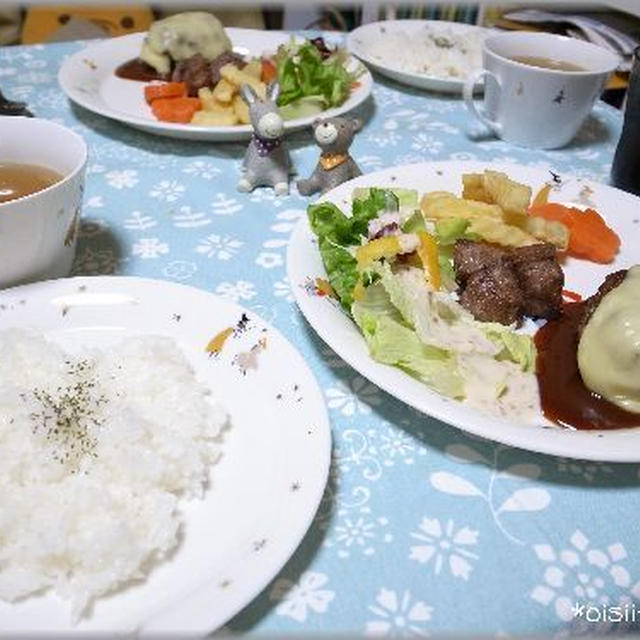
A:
[423,529]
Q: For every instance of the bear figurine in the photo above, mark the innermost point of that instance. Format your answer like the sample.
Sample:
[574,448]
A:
[335,166]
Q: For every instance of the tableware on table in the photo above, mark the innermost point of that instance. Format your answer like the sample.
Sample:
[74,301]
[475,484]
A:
[266,487]
[538,106]
[364,42]
[38,231]
[13,108]
[339,331]
[87,77]
[625,171]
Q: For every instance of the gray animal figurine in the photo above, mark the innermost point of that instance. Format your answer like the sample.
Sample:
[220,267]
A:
[335,166]
[266,162]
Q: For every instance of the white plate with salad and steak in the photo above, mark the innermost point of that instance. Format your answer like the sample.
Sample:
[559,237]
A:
[501,299]
[182,78]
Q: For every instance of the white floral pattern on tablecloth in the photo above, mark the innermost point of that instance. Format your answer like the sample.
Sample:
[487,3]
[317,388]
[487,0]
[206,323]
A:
[415,511]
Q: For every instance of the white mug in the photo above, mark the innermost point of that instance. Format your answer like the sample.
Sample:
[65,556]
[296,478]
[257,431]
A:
[534,106]
[38,231]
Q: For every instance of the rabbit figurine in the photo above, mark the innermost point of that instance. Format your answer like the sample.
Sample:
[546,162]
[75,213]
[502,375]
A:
[267,161]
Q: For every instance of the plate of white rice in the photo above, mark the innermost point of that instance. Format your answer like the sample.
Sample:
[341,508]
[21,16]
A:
[163,452]
[428,54]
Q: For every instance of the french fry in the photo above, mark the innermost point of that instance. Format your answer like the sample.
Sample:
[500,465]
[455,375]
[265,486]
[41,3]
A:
[548,231]
[492,223]
[241,109]
[497,232]
[209,103]
[508,194]
[473,188]
[442,204]
[236,77]
[254,69]
[494,187]
[215,118]
[224,91]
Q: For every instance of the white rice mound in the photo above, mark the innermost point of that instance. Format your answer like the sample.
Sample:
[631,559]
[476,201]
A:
[84,519]
[439,52]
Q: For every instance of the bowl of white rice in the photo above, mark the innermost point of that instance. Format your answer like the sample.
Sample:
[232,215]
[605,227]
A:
[427,54]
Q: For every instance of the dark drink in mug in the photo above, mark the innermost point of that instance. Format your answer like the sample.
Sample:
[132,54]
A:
[625,172]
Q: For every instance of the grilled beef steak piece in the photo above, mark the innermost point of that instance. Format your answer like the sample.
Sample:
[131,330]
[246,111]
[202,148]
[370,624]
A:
[502,285]
[469,257]
[493,294]
[194,72]
[220,61]
[541,279]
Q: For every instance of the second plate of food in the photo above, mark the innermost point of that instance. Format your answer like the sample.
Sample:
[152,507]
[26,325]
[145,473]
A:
[146,495]
[427,54]
[448,315]
[89,79]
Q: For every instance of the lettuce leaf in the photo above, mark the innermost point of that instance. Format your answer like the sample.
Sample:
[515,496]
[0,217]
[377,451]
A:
[336,232]
[302,72]
[514,347]
[327,221]
[392,342]
[341,269]
[405,199]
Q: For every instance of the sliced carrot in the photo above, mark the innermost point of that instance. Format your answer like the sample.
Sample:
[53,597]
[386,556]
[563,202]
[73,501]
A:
[589,235]
[175,109]
[165,90]
[268,70]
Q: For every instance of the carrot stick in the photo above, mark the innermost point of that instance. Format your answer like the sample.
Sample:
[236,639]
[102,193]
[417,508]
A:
[166,90]
[175,109]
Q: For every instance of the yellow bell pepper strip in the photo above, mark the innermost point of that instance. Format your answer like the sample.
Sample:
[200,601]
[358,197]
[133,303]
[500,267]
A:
[358,291]
[428,252]
[542,197]
[385,247]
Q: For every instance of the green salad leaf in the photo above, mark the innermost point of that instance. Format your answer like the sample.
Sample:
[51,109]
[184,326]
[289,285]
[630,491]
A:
[393,342]
[302,72]
[342,270]
[337,232]
[448,230]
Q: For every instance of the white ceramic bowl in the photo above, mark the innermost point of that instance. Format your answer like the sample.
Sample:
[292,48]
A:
[38,231]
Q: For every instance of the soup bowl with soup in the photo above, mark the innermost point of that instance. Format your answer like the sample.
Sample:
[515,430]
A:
[539,87]
[42,167]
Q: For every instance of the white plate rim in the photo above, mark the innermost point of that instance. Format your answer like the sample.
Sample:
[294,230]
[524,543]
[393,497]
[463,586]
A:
[78,63]
[207,618]
[339,332]
[395,72]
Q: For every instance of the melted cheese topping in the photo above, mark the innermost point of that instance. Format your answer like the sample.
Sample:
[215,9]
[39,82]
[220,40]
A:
[181,36]
[609,349]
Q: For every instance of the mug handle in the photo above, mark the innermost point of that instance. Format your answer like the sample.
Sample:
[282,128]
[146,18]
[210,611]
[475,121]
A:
[467,94]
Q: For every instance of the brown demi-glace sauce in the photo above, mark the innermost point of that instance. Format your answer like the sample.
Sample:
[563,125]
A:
[564,397]
[136,69]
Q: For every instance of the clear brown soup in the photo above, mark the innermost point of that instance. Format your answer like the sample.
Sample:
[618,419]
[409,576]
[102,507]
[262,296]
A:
[547,63]
[18,180]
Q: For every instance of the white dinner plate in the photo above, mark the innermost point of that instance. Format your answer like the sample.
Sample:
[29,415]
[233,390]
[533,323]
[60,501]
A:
[88,78]
[361,42]
[622,212]
[265,489]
